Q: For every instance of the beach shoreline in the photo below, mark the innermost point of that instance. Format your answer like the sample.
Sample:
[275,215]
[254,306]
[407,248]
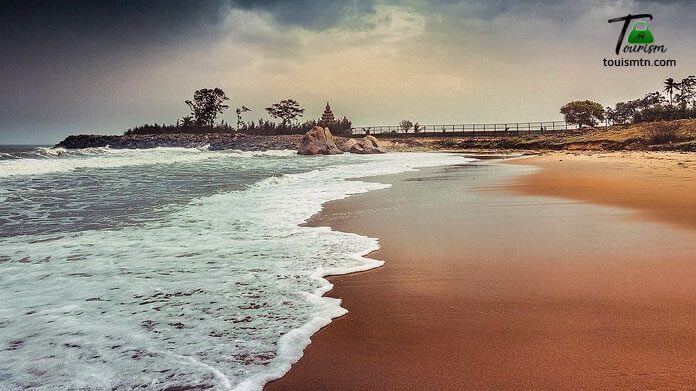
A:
[634,137]
[467,300]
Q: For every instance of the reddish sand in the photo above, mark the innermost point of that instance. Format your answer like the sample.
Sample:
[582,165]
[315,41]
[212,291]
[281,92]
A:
[661,186]
[483,289]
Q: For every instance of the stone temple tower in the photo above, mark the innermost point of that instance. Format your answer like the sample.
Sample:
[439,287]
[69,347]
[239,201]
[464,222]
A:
[327,116]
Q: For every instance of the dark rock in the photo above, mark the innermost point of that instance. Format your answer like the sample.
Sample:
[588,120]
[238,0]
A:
[214,141]
[316,141]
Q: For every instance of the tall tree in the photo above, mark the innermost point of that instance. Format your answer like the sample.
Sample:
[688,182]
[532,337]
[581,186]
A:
[585,112]
[651,99]
[239,111]
[687,91]
[670,86]
[405,125]
[286,110]
[207,104]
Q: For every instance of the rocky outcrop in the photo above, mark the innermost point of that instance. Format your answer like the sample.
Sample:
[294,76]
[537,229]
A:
[369,139]
[359,149]
[371,144]
[344,144]
[366,145]
[88,141]
[214,141]
[318,141]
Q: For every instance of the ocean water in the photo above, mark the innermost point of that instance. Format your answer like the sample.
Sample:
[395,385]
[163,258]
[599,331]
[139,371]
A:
[171,267]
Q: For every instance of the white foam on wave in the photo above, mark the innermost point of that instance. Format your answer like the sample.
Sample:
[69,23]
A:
[292,344]
[226,292]
[55,160]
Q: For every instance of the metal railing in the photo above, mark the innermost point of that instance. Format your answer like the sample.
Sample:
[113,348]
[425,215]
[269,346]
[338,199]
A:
[480,128]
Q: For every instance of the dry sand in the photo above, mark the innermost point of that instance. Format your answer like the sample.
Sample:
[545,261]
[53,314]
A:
[661,186]
[484,288]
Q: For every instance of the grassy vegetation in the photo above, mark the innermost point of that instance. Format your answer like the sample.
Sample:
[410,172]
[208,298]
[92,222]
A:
[679,135]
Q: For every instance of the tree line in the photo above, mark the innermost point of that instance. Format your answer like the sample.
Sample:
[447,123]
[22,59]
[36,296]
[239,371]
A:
[677,102]
[209,103]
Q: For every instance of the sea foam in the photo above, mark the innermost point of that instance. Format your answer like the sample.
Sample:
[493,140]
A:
[224,292]
[53,160]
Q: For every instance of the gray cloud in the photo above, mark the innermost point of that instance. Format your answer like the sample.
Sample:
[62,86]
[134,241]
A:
[311,14]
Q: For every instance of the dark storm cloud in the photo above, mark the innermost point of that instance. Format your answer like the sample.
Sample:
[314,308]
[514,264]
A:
[128,17]
[311,14]
[43,39]
[54,51]
[53,25]
[29,25]
[95,31]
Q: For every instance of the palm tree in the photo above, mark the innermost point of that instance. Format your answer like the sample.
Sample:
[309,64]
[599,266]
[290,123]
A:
[239,111]
[670,86]
[186,121]
[687,91]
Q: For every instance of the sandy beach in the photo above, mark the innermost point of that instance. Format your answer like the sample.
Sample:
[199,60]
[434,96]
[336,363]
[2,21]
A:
[552,272]
[659,186]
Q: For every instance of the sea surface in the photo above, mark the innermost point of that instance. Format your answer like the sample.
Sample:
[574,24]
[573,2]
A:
[171,267]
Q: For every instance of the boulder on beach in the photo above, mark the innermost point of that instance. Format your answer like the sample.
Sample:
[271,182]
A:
[359,149]
[369,139]
[367,145]
[318,141]
[346,144]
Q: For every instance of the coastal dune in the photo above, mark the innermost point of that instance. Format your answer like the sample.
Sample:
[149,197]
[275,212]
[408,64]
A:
[490,284]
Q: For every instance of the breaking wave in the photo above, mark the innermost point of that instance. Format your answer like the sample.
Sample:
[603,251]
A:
[223,292]
[46,160]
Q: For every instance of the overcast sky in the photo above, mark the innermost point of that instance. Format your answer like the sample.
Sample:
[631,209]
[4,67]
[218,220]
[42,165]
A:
[80,67]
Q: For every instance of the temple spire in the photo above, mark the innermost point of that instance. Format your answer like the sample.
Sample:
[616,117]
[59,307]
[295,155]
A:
[327,116]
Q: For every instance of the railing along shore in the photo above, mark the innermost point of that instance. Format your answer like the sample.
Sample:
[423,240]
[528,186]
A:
[474,128]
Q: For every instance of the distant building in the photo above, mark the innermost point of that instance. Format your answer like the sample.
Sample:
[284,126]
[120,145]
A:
[327,117]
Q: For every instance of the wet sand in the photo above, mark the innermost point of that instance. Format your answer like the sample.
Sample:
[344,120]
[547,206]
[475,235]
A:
[488,286]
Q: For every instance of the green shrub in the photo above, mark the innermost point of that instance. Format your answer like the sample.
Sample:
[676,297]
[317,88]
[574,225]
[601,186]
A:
[664,113]
[663,133]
